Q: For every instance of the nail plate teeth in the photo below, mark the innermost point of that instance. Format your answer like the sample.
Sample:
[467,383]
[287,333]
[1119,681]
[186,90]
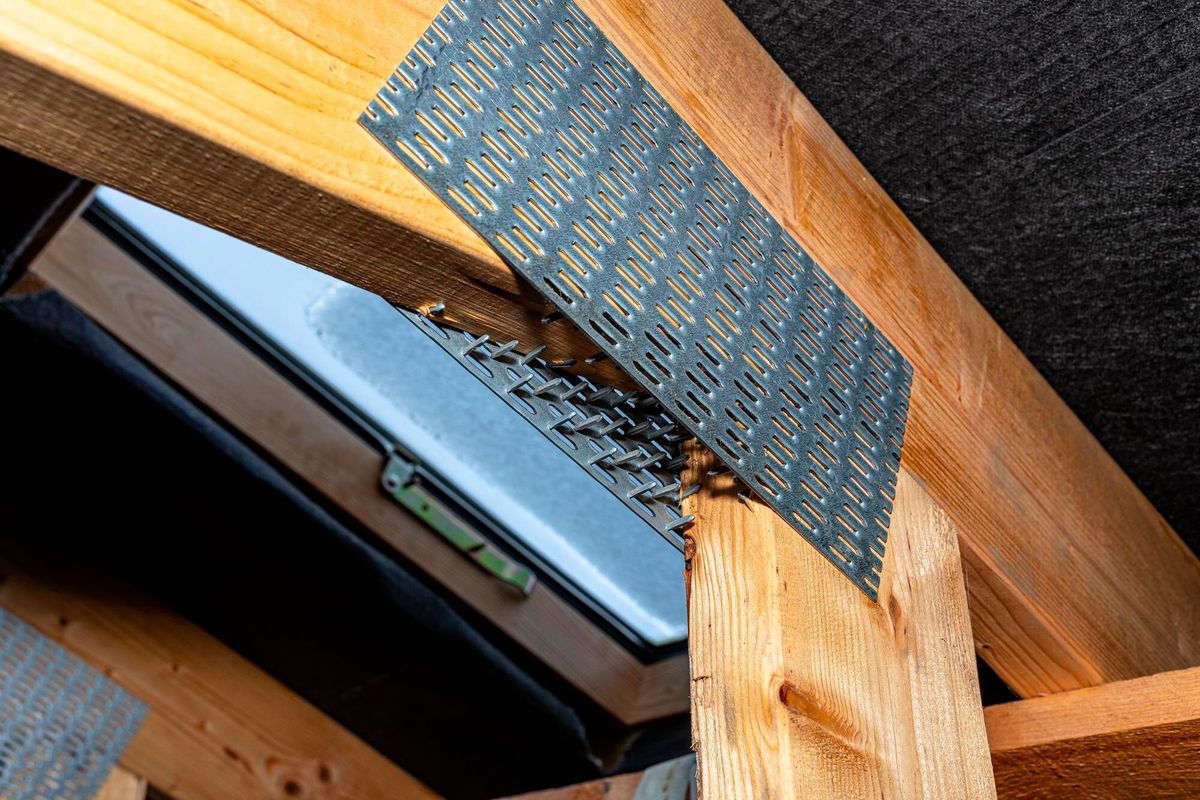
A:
[519,382]
[670,490]
[600,394]
[474,344]
[574,391]
[640,490]
[548,387]
[638,429]
[531,355]
[590,422]
[682,523]
[610,427]
[625,458]
[651,460]
[563,420]
[602,455]
[504,349]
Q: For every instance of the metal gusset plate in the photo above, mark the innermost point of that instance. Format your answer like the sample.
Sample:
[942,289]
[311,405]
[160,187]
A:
[527,121]
[628,445]
[62,724]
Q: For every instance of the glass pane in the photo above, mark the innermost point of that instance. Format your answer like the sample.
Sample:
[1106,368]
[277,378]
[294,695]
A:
[375,358]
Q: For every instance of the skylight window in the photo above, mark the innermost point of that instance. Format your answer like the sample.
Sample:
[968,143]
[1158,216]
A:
[380,364]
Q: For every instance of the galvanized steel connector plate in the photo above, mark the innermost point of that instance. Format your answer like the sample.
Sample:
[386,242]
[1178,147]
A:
[63,724]
[536,130]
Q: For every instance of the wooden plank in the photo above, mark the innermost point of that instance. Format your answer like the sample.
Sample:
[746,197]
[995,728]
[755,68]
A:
[222,374]
[122,784]
[670,780]
[618,787]
[217,727]
[804,688]
[1131,740]
[241,114]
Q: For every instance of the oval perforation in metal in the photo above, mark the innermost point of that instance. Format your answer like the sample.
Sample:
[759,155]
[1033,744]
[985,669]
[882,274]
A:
[534,127]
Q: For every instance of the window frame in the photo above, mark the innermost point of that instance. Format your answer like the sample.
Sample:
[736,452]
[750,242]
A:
[101,269]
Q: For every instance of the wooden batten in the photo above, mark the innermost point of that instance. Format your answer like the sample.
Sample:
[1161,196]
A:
[1130,740]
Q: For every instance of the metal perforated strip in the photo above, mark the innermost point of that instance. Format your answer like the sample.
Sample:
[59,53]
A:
[62,723]
[527,121]
[630,447]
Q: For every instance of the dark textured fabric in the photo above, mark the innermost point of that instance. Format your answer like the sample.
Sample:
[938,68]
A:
[34,201]
[1050,151]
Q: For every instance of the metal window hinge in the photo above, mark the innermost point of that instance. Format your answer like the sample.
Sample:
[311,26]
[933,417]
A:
[401,480]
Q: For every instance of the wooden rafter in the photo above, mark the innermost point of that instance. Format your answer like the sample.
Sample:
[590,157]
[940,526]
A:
[242,116]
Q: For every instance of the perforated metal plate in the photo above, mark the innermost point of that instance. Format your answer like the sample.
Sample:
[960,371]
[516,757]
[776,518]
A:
[630,448]
[527,121]
[62,723]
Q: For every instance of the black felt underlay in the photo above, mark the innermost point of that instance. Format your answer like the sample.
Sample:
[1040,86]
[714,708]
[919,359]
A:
[1050,151]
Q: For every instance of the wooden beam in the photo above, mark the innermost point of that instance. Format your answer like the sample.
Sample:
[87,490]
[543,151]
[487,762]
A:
[241,115]
[670,780]
[1130,740]
[804,688]
[122,784]
[121,295]
[618,787]
[217,726]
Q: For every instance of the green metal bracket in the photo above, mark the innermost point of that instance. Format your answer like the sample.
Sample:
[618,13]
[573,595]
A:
[401,481]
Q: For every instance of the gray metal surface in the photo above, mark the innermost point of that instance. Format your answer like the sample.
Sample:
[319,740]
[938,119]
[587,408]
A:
[629,448]
[670,780]
[62,723]
[528,122]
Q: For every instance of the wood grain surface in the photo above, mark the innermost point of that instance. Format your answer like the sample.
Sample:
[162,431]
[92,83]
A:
[1131,740]
[804,688]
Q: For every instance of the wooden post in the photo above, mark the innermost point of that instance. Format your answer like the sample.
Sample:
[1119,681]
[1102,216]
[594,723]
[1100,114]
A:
[804,688]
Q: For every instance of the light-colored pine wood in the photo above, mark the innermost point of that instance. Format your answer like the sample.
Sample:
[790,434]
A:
[804,688]
[1130,740]
[122,784]
[217,727]
[242,114]
[182,343]
[618,787]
